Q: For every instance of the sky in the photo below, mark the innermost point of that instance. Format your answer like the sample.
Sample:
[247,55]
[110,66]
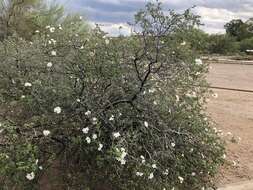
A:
[112,14]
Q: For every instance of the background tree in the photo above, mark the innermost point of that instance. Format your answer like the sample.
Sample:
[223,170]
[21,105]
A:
[238,29]
[24,17]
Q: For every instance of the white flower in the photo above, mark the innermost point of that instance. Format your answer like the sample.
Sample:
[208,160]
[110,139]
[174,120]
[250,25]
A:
[46,133]
[121,157]
[139,174]
[30,176]
[40,167]
[88,140]
[94,120]
[94,136]
[198,62]
[183,43]
[107,41]
[53,53]
[181,179]
[154,166]
[146,124]
[87,113]
[122,162]
[173,144]
[37,31]
[152,90]
[53,40]
[92,54]
[193,174]
[224,156]
[100,146]
[142,159]
[47,27]
[52,29]
[23,96]
[78,100]
[155,103]
[82,47]
[116,135]
[27,84]
[60,27]
[80,17]
[111,118]
[57,110]
[151,176]
[49,64]
[191,95]
[166,172]
[198,73]
[177,98]
[85,130]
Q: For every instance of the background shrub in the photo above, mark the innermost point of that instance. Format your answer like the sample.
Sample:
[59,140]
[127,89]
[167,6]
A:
[246,44]
[223,44]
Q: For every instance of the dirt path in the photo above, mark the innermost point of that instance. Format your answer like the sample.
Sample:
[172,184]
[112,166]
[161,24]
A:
[233,112]
[247,185]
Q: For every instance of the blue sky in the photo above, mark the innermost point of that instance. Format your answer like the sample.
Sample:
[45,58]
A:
[111,14]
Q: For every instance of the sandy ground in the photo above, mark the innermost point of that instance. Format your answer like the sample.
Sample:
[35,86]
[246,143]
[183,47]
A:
[233,112]
[248,185]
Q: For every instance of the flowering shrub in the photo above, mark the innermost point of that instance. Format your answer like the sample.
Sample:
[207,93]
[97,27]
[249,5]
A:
[111,113]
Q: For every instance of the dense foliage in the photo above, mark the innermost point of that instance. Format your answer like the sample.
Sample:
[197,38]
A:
[222,44]
[24,17]
[109,113]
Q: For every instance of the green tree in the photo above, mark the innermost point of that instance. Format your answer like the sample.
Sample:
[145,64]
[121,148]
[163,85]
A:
[24,17]
[238,29]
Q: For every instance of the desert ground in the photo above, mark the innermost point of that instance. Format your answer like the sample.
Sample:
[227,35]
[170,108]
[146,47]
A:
[232,111]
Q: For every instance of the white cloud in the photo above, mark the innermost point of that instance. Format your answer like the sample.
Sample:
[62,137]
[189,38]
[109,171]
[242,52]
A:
[114,29]
[215,18]
[114,13]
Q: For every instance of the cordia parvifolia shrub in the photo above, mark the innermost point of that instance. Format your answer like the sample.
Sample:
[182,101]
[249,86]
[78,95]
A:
[111,113]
